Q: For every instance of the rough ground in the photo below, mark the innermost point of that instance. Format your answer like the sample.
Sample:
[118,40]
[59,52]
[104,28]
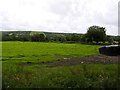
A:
[100,59]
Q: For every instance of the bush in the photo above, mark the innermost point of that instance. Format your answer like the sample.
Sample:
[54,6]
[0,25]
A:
[37,36]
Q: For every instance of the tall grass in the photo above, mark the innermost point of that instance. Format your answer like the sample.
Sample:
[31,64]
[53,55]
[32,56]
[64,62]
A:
[78,76]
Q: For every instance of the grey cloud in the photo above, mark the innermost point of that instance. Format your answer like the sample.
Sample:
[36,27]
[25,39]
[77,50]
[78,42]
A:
[59,15]
[61,7]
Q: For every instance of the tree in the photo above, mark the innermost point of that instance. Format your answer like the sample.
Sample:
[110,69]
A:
[83,38]
[75,37]
[22,37]
[110,39]
[96,33]
[37,36]
[60,38]
[5,37]
[12,36]
[68,37]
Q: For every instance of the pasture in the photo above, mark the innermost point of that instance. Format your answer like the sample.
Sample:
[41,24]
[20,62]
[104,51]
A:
[27,65]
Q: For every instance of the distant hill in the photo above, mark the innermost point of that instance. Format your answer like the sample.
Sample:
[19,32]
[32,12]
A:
[50,36]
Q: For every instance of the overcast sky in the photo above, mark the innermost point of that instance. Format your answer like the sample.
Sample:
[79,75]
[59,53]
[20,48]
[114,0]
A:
[73,16]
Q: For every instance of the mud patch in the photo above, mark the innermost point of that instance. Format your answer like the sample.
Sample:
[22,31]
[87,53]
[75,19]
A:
[100,59]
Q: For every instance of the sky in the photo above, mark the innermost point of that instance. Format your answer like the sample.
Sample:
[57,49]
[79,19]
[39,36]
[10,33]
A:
[67,16]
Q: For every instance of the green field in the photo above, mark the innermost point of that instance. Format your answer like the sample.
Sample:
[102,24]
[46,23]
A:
[18,73]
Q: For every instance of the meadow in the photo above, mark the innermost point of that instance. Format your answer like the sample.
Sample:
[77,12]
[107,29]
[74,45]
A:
[24,66]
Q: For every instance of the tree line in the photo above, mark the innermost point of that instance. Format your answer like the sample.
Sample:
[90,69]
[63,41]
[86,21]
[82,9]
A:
[94,35]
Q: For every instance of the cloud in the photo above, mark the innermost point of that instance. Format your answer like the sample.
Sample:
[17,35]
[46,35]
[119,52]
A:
[59,15]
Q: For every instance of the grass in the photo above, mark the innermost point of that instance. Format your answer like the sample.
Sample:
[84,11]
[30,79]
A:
[16,75]
[35,51]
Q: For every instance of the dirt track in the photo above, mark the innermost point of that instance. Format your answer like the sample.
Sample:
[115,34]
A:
[100,59]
